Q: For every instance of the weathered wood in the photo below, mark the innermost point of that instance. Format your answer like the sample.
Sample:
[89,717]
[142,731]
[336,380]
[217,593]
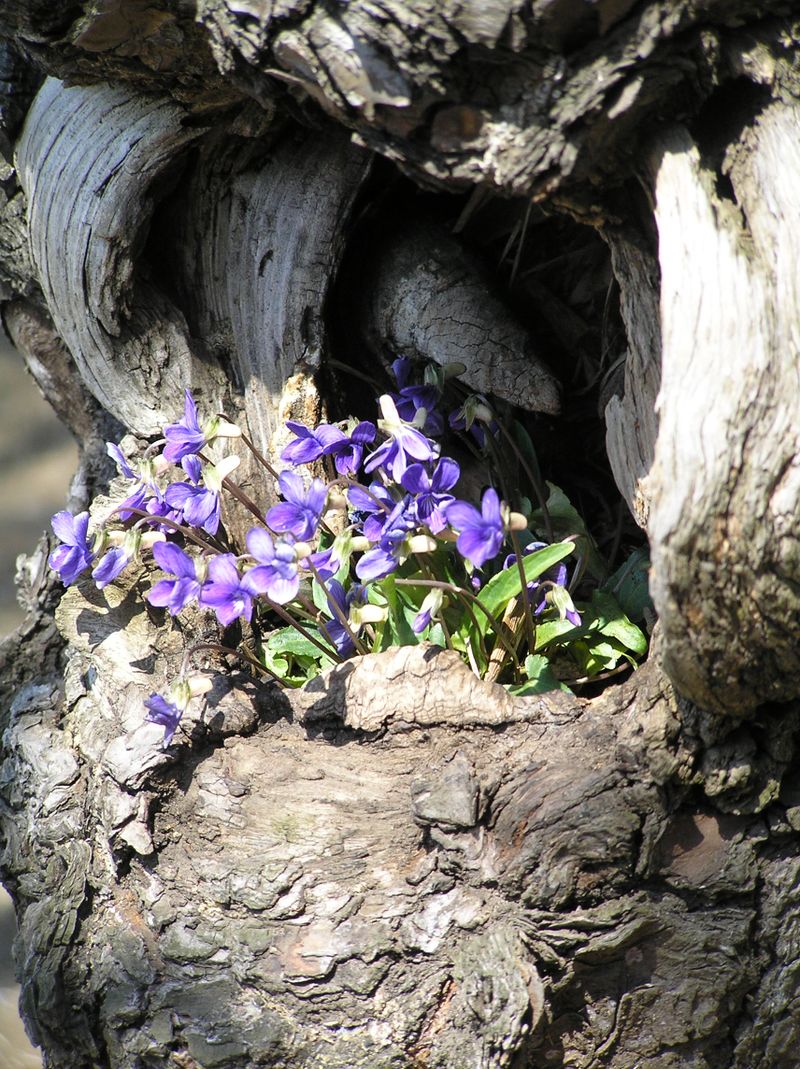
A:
[86,160]
[256,247]
[631,421]
[725,485]
[445,893]
[427,298]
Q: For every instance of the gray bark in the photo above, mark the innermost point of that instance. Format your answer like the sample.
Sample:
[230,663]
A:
[401,866]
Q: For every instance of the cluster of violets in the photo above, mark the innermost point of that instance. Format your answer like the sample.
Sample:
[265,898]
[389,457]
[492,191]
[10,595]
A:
[392,498]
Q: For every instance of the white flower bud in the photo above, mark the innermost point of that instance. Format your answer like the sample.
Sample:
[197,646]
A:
[199,684]
[149,538]
[421,544]
[367,614]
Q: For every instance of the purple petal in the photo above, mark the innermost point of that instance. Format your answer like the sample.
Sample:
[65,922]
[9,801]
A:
[192,466]
[490,507]
[286,516]
[260,545]
[112,564]
[364,432]
[415,479]
[63,524]
[446,475]
[292,487]
[375,564]
[120,459]
[461,516]
[165,714]
[223,570]
[170,558]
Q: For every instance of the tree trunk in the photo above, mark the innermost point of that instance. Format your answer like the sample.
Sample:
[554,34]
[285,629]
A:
[401,865]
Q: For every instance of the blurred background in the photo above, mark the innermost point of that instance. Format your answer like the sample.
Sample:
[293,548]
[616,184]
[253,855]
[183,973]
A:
[37,460]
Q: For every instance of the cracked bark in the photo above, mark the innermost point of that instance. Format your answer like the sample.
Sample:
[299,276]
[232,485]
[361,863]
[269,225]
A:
[401,866]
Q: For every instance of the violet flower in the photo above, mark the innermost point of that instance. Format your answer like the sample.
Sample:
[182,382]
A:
[74,555]
[411,399]
[110,565]
[385,557]
[174,594]
[431,606]
[370,508]
[197,505]
[276,573]
[225,592]
[334,629]
[302,510]
[164,713]
[310,444]
[406,443]
[348,451]
[431,491]
[186,437]
[537,592]
[481,533]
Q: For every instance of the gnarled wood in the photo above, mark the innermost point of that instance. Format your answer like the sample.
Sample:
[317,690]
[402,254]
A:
[726,478]
[426,298]
[257,246]
[374,849]
[87,160]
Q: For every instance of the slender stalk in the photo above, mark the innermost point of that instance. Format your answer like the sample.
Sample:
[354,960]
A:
[262,460]
[537,490]
[526,601]
[243,654]
[465,594]
[331,653]
[341,616]
[242,498]
[447,636]
[187,532]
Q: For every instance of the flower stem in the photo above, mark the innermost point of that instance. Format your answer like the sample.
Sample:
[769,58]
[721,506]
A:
[453,588]
[526,601]
[340,615]
[187,532]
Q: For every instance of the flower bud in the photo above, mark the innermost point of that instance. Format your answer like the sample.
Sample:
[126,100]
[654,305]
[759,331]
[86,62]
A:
[367,614]
[421,543]
[149,538]
[217,427]
[336,499]
[199,684]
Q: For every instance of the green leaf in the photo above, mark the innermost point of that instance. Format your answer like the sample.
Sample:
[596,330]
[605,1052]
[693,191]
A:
[319,597]
[398,631]
[504,586]
[566,520]
[629,585]
[288,640]
[540,678]
[610,620]
[552,630]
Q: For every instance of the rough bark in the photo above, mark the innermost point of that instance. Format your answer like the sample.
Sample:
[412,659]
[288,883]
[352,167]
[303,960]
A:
[401,866]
